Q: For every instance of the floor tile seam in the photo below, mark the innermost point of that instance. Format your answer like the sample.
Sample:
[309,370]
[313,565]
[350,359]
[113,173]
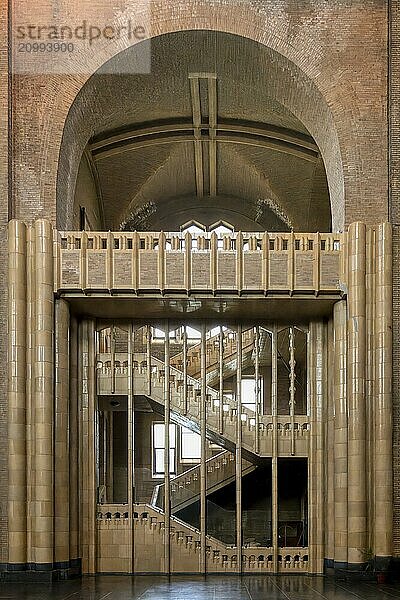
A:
[336,585]
[384,591]
[274,583]
[247,590]
[315,591]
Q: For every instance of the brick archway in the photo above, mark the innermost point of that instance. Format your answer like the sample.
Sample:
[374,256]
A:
[326,91]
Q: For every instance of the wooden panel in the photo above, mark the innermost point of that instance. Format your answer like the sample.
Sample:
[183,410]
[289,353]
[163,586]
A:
[148,269]
[97,269]
[201,270]
[70,270]
[226,270]
[304,270]
[123,269]
[175,270]
[252,271]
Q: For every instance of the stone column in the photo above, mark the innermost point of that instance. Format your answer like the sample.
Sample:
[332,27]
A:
[167,477]
[370,390]
[17,310]
[275,449]
[30,388]
[340,435]
[131,436]
[74,444]
[61,435]
[383,508]
[43,394]
[330,450]
[317,379]
[88,454]
[203,452]
[238,454]
[221,381]
[257,389]
[356,369]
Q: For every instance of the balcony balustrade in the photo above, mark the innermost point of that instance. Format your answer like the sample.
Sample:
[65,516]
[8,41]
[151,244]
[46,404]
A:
[237,263]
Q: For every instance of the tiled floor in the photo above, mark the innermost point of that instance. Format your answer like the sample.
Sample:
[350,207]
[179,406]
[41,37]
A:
[199,588]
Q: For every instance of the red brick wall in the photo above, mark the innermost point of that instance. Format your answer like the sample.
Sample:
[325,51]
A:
[340,47]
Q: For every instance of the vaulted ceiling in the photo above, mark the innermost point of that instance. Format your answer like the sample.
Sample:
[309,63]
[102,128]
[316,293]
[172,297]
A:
[202,136]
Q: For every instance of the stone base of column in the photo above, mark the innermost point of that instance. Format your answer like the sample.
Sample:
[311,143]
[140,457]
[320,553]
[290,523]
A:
[382,563]
[46,573]
[394,569]
[381,569]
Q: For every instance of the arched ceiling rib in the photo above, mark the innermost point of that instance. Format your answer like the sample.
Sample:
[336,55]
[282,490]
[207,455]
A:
[205,124]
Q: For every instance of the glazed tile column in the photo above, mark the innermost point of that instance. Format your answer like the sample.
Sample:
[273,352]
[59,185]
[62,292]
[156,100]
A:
[73,443]
[17,307]
[221,381]
[275,449]
[292,388]
[87,412]
[203,451]
[30,353]
[257,388]
[167,477]
[340,434]
[383,507]
[329,450]
[370,390]
[43,396]
[131,436]
[238,453]
[61,435]
[317,382]
[356,369]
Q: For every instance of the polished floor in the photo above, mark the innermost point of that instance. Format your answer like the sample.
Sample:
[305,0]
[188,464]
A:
[199,588]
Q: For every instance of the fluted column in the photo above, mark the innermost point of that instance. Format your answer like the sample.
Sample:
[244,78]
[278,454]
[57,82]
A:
[340,439]
[383,508]
[43,365]
[17,308]
[356,360]
[61,434]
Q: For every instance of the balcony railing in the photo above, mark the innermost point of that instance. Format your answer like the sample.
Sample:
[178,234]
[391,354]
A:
[246,263]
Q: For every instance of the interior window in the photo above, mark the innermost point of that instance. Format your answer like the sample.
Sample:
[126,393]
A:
[248,392]
[159,447]
[190,445]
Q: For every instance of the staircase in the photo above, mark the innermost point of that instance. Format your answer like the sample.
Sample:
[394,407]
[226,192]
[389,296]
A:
[185,488]
[213,357]
[138,537]
[221,416]
[123,549]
